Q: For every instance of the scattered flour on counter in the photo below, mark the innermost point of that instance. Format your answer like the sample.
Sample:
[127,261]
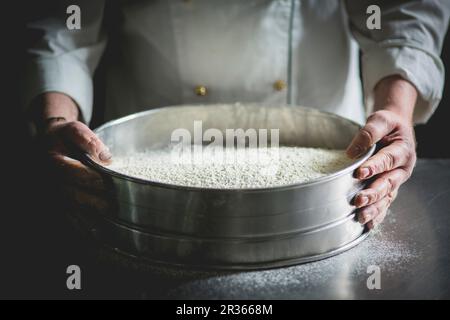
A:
[322,279]
[391,255]
[248,168]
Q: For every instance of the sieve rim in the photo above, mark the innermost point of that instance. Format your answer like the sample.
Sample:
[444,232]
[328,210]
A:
[105,170]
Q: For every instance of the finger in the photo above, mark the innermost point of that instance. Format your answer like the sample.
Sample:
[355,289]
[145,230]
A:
[73,172]
[80,135]
[383,185]
[372,211]
[387,159]
[378,125]
[378,219]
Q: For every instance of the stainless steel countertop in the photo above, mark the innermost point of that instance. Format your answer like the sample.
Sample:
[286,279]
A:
[411,249]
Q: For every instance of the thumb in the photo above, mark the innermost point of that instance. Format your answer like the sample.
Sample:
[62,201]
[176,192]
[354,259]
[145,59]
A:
[378,125]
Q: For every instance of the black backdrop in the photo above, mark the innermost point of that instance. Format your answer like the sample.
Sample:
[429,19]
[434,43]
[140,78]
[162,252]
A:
[36,244]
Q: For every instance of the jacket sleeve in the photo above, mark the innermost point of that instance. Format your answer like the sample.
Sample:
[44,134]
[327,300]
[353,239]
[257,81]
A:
[408,44]
[63,60]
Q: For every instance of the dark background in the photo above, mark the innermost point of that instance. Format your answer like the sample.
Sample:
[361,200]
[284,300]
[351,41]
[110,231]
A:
[36,243]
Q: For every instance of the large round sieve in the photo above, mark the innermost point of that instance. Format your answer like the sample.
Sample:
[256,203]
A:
[228,228]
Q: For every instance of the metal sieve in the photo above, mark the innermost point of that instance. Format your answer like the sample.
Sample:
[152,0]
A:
[228,228]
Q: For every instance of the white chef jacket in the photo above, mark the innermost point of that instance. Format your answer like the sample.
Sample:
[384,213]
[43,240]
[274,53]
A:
[159,52]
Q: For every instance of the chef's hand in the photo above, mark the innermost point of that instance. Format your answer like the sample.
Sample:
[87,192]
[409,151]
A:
[62,138]
[391,127]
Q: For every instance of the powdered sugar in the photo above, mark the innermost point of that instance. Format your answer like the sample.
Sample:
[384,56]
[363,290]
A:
[233,167]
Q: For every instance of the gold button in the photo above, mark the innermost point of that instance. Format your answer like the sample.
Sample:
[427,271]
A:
[201,91]
[279,85]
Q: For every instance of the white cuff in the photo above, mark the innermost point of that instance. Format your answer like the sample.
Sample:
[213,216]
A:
[62,73]
[424,71]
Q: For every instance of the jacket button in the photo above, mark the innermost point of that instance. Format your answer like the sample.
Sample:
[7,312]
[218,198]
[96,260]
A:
[201,91]
[279,85]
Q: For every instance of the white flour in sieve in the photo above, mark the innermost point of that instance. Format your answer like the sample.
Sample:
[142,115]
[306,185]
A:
[248,168]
